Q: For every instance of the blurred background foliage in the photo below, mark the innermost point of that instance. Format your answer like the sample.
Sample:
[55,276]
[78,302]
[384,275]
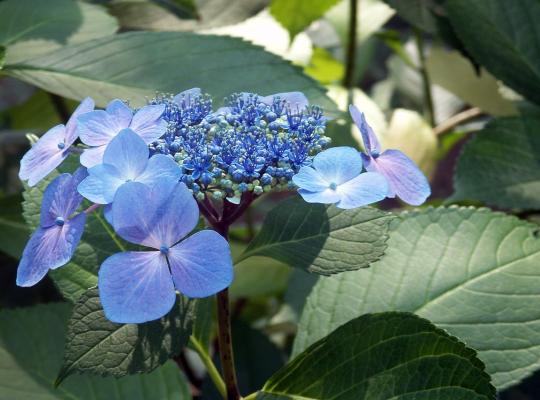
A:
[427,73]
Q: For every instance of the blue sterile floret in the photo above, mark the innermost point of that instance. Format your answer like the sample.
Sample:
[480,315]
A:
[252,143]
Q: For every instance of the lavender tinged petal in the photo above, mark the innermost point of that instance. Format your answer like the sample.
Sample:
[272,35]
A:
[160,167]
[93,156]
[311,180]
[86,105]
[120,111]
[101,184]
[128,153]
[338,164]
[135,287]
[148,124]
[365,189]
[49,248]
[295,99]
[44,156]
[154,216]
[327,196]
[186,95]
[61,198]
[201,265]
[97,128]
[404,178]
[371,143]
[107,213]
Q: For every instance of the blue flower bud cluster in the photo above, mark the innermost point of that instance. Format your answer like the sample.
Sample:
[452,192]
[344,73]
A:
[253,144]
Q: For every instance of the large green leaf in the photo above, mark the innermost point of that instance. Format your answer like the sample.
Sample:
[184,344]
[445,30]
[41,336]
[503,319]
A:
[34,27]
[470,271]
[135,65]
[502,36]
[147,15]
[31,345]
[98,243]
[501,166]
[419,13]
[297,15]
[97,345]
[13,231]
[383,356]
[321,239]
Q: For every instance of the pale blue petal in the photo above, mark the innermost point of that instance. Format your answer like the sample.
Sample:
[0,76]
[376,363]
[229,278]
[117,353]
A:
[49,248]
[148,124]
[107,213]
[97,128]
[405,179]
[365,189]
[327,196]
[135,287]
[311,180]
[93,156]
[338,164]
[371,143]
[160,167]
[128,153]
[86,105]
[101,184]
[186,95]
[60,198]
[201,265]
[154,216]
[295,99]
[44,156]
[120,111]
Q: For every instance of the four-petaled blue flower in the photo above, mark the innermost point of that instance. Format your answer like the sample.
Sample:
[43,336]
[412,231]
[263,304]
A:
[139,286]
[52,148]
[125,160]
[405,179]
[53,243]
[335,178]
[98,128]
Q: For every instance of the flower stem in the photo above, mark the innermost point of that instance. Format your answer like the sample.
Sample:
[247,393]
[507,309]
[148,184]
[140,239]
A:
[213,373]
[429,108]
[349,78]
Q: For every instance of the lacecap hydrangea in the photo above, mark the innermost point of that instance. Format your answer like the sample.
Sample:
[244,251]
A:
[154,170]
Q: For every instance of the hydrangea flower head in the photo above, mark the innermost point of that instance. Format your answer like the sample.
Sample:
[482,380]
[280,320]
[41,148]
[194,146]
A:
[126,159]
[139,286]
[99,127]
[405,180]
[335,177]
[52,148]
[53,243]
[255,143]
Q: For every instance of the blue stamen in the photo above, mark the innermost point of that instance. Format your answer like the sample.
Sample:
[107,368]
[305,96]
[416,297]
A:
[59,221]
[61,145]
[333,186]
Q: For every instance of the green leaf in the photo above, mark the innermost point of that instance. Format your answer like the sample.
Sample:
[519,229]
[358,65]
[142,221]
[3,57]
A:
[135,65]
[418,13]
[470,271]
[456,74]
[31,346]
[34,27]
[2,56]
[146,15]
[205,323]
[98,242]
[95,344]
[383,356]
[324,67]
[500,165]
[489,31]
[321,239]
[297,15]
[13,231]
